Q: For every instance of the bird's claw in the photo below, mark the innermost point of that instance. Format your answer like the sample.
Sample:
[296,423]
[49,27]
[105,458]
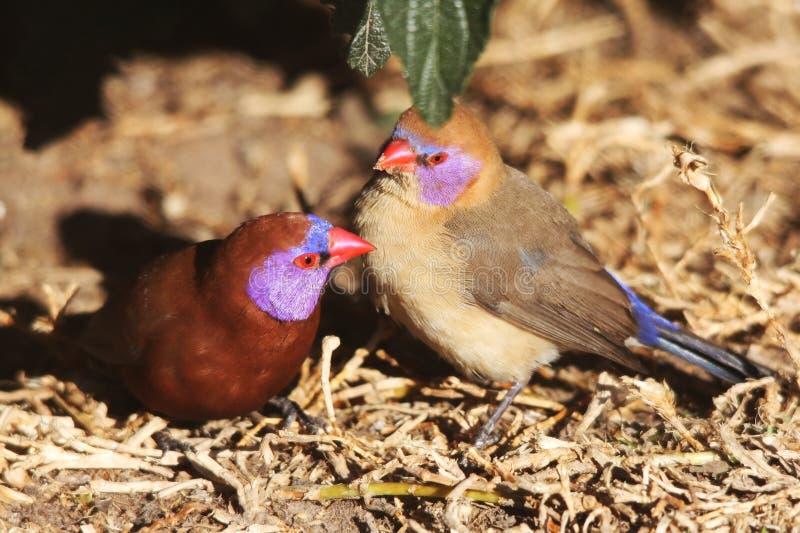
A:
[291,412]
[472,459]
[167,442]
[486,437]
[465,464]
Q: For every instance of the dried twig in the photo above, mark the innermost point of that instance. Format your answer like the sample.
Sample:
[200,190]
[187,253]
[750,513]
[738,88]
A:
[736,248]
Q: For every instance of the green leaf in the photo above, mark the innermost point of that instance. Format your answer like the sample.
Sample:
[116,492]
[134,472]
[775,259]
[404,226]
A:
[369,46]
[439,42]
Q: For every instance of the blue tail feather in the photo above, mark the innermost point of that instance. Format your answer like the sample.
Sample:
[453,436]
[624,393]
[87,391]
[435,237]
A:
[658,332]
[697,359]
[648,320]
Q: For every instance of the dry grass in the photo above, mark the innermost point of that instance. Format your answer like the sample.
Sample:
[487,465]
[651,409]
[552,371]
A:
[608,107]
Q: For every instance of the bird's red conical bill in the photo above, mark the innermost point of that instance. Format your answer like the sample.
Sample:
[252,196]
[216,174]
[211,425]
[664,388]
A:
[397,153]
[343,246]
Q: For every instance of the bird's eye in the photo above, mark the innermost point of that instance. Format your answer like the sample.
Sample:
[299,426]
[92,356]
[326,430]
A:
[437,159]
[307,261]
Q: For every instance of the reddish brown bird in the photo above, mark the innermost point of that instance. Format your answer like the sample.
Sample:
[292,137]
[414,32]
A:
[218,328]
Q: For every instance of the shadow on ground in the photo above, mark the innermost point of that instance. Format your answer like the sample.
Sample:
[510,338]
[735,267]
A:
[116,244]
[55,54]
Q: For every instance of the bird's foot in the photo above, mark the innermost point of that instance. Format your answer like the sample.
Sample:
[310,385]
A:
[486,437]
[167,442]
[472,459]
[291,412]
[466,464]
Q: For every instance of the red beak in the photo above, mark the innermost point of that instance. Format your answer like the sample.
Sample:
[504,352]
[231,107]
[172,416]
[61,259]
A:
[397,154]
[343,246]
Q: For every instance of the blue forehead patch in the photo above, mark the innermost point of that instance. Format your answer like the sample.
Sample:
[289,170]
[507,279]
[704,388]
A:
[416,142]
[317,235]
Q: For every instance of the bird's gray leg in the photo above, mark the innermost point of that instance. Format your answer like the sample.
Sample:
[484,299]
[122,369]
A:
[485,434]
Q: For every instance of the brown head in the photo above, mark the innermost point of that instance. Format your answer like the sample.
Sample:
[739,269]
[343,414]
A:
[455,163]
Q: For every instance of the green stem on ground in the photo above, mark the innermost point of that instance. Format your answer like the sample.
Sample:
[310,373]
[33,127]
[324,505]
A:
[344,491]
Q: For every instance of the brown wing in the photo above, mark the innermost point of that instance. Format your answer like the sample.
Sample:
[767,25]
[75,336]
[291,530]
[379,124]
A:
[529,265]
[156,301]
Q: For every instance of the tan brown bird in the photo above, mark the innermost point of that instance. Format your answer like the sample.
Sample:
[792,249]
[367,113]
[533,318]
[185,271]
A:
[490,271]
